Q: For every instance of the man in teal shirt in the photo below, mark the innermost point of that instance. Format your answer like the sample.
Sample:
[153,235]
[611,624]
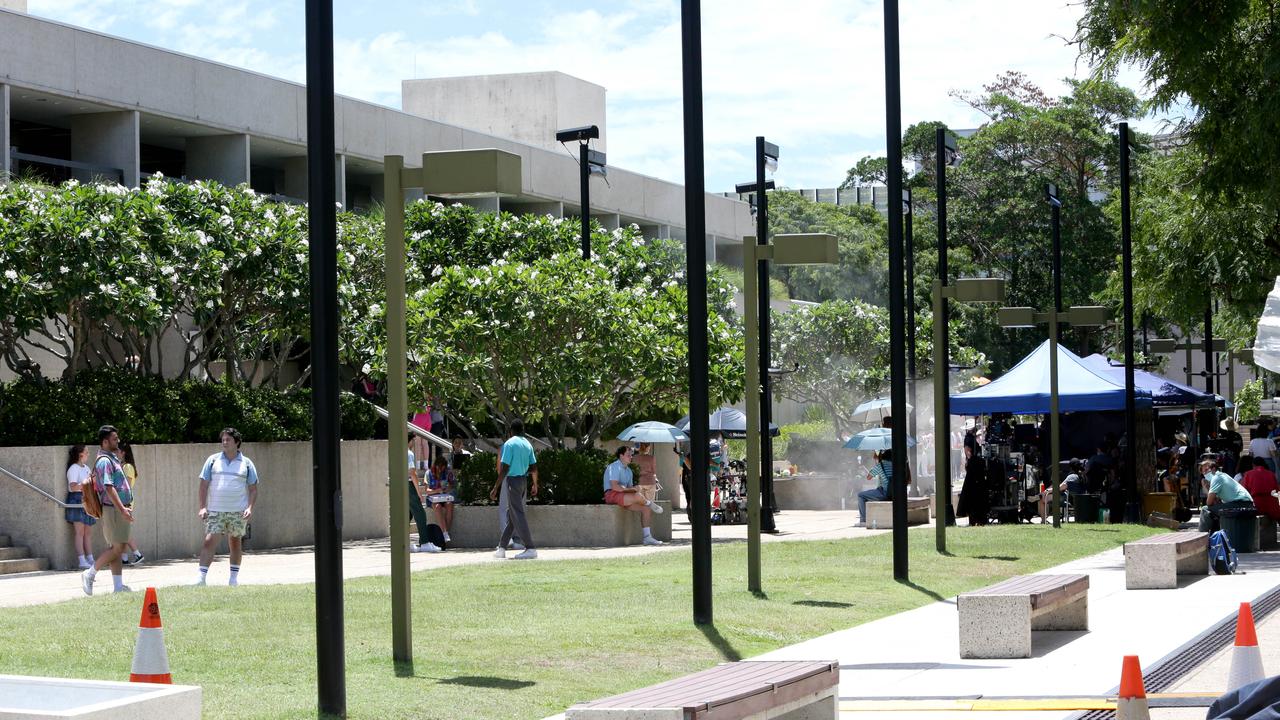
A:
[516,465]
[1224,493]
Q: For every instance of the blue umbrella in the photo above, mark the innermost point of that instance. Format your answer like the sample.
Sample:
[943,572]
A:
[652,431]
[875,439]
[874,410]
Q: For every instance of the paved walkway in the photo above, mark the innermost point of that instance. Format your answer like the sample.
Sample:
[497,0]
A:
[373,557]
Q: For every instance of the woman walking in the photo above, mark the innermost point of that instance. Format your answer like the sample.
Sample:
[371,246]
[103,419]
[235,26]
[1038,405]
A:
[125,454]
[77,478]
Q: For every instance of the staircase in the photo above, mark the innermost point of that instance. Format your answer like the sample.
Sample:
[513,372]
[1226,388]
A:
[18,559]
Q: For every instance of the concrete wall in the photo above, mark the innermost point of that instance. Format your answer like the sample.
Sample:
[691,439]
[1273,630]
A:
[224,158]
[166,524]
[110,139]
[526,107]
[476,526]
[4,130]
[14,5]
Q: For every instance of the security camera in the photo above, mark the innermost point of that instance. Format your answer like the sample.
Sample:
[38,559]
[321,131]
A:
[584,133]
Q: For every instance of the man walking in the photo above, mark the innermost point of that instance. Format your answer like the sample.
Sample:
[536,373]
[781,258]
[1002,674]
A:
[228,490]
[117,517]
[516,464]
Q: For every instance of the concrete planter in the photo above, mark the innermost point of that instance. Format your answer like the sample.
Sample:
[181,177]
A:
[476,526]
[811,492]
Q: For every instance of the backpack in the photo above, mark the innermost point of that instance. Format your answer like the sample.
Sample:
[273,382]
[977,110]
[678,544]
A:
[1222,557]
[92,505]
[435,536]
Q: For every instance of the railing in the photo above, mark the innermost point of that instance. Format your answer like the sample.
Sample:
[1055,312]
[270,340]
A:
[425,434]
[63,505]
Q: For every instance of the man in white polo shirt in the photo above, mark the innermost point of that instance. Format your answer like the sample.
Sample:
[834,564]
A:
[228,489]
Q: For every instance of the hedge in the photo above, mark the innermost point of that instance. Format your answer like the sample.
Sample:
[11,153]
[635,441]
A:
[565,477]
[153,410]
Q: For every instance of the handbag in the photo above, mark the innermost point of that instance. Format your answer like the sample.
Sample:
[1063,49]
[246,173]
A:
[649,491]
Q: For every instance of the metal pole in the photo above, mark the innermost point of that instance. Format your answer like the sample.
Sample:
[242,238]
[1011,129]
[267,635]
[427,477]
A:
[765,351]
[584,170]
[331,681]
[696,267]
[897,347]
[397,407]
[941,450]
[909,259]
[750,292]
[1208,348]
[1133,506]
[1055,435]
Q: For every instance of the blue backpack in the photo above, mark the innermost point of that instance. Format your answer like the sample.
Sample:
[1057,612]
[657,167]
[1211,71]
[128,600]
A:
[1222,557]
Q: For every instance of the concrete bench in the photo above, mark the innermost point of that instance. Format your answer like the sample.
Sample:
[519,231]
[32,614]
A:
[1157,561]
[476,526]
[996,621]
[756,689]
[880,512]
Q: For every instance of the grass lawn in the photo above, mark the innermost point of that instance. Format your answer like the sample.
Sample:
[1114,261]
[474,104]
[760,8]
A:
[524,640]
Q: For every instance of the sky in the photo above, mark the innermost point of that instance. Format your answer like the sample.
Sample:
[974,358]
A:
[807,74]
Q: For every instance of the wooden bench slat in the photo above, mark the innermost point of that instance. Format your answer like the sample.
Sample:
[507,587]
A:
[1176,538]
[1043,590]
[721,685]
[782,695]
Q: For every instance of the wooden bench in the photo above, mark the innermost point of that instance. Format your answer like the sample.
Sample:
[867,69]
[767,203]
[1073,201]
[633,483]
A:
[756,689]
[880,512]
[1157,561]
[996,621]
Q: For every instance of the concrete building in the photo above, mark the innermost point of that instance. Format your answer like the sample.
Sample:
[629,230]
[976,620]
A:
[78,103]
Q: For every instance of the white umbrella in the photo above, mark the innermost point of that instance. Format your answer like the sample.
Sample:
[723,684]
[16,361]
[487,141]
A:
[873,411]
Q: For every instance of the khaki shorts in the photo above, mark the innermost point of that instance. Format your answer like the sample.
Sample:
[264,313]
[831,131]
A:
[116,529]
[225,523]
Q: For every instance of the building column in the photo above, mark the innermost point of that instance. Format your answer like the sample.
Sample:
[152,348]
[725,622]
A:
[223,158]
[5,138]
[490,204]
[608,221]
[340,179]
[295,178]
[110,139]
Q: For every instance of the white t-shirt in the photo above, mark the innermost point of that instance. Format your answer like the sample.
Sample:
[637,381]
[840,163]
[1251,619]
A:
[1262,447]
[77,475]
[229,482]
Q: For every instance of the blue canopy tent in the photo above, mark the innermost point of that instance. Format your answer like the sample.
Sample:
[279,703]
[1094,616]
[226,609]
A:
[1024,390]
[1165,393]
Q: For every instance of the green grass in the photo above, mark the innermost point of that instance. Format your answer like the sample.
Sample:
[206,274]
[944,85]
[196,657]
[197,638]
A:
[523,640]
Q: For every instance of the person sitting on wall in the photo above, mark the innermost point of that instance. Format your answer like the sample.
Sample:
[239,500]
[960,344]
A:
[1261,482]
[1224,493]
[620,489]
[442,492]
[882,473]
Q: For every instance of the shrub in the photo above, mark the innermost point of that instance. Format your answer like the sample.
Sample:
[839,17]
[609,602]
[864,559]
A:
[476,478]
[572,477]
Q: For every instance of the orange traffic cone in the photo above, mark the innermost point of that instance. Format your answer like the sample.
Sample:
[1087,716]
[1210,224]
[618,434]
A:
[1246,659]
[1132,703]
[150,661]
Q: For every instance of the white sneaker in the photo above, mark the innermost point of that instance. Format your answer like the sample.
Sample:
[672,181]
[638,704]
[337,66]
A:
[651,540]
[86,582]
[500,553]
[529,554]
[125,589]
[516,546]
[85,564]
[447,538]
[429,548]
[233,582]
[199,583]
[656,507]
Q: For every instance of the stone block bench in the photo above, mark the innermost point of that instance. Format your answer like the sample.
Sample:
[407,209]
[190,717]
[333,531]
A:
[756,689]
[996,621]
[880,512]
[1157,561]
[476,526]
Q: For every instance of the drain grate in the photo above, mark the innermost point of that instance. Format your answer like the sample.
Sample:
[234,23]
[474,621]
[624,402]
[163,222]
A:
[1169,669]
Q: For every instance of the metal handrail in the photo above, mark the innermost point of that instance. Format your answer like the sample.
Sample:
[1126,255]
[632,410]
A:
[425,434]
[62,504]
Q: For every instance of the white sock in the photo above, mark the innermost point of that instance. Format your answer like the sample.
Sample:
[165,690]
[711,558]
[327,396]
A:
[204,571]
[84,559]
[647,532]
[117,582]
[91,572]
[235,573]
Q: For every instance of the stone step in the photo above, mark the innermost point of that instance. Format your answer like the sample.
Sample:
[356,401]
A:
[14,553]
[8,567]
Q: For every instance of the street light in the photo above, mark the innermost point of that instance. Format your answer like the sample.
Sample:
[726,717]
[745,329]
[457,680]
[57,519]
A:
[945,155]
[766,161]
[1077,316]
[909,257]
[459,173]
[962,290]
[589,162]
[793,249]
[1133,507]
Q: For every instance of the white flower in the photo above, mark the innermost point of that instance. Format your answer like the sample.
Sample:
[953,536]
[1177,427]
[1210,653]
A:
[529,314]
[208,304]
[11,274]
[257,250]
[63,269]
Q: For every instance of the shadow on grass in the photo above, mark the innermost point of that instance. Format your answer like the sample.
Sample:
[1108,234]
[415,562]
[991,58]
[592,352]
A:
[921,589]
[487,681]
[1006,558]
[823,603]
[727,651]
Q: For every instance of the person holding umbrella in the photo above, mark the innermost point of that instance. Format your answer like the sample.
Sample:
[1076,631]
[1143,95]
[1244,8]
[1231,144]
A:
[882,473]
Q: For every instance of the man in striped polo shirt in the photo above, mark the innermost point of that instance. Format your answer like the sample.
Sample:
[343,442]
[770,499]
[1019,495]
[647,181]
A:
[228,489]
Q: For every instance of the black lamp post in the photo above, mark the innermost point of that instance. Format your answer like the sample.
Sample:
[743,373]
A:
[897,366]
[1132,509]
[331,680]
[945,150]
[766,160]
[909,258]
[696,268]
[589,161]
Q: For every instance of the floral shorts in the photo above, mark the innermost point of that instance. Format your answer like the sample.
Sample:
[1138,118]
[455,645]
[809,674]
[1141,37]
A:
[225,523]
